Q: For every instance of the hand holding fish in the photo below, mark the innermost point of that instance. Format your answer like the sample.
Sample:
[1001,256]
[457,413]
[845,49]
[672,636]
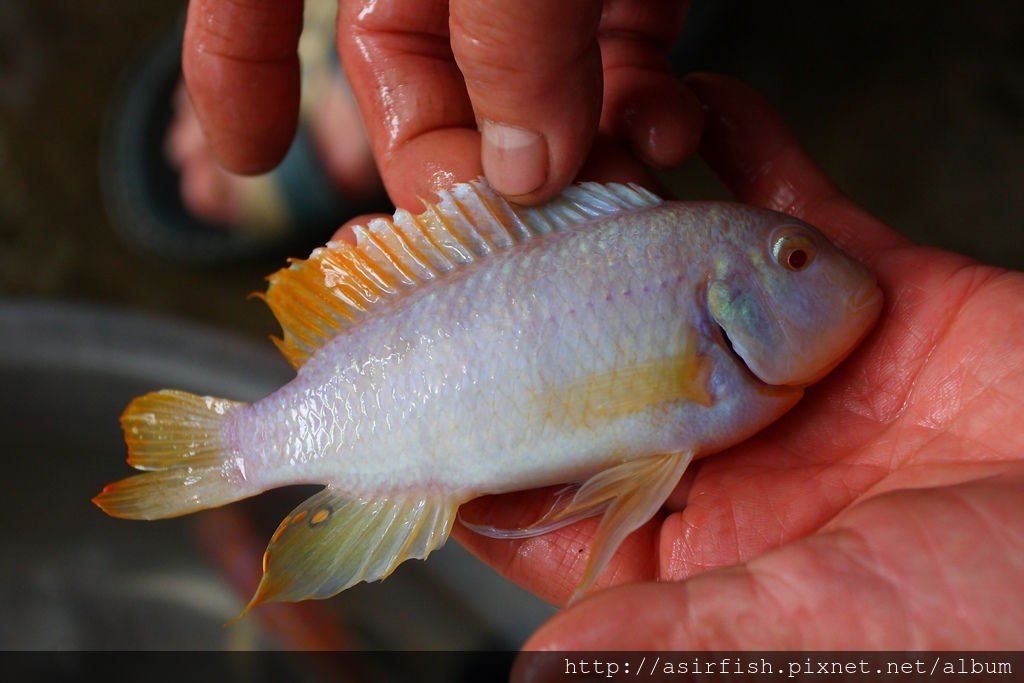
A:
[889,491]
[539,80]
[885,511]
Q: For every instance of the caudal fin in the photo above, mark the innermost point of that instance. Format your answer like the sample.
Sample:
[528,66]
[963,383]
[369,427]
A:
[179,438]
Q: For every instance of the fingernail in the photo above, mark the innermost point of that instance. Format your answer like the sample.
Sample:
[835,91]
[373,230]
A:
[515,159]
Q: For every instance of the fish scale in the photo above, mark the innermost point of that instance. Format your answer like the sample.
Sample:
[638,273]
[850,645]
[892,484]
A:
[603,341]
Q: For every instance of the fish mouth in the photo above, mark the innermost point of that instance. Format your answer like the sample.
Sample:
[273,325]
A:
[731,350]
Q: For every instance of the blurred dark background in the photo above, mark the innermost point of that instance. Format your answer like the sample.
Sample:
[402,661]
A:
[915,108]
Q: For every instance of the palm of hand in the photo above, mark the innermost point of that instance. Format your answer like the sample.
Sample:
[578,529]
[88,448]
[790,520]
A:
[883,511]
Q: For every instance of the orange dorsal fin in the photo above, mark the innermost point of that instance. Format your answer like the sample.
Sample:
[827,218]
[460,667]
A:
[317,298]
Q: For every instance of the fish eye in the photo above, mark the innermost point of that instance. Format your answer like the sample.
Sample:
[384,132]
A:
[792,249]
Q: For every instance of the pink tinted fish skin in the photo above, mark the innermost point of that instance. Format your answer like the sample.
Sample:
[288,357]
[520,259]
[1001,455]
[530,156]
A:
[443,391]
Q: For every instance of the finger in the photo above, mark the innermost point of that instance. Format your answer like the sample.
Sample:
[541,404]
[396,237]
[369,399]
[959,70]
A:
[533,74]
[184,134]
[610,160]
[757,157]
[887,572]
[239,61]
[398,59]
[643,102]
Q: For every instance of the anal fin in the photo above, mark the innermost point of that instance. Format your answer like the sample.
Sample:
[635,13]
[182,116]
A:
[332,541]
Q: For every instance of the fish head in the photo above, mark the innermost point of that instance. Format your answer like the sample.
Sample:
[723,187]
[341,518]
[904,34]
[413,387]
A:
[790,304]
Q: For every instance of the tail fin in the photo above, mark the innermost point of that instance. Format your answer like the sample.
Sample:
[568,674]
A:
[179,438]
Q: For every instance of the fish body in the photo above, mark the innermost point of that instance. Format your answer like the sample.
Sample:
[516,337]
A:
[604,340]
[504,378]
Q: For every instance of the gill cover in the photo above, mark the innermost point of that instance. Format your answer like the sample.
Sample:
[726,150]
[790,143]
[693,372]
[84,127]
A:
[793,306]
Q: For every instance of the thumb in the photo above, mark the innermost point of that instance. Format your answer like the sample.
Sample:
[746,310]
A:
[533,74]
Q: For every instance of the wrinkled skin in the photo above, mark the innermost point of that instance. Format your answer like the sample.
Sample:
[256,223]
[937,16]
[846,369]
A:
[885,511]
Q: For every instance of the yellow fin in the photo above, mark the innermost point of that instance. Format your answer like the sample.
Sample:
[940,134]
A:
[332,541]
[630,494]
[626,495]
[317,298]
[566,509]
[179,438]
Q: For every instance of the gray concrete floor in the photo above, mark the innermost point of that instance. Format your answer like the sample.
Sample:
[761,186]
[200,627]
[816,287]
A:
[916,109]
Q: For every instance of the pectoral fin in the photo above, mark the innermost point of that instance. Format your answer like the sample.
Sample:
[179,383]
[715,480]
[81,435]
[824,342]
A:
[565,510]
[626,496]
[332,541]
[634,492]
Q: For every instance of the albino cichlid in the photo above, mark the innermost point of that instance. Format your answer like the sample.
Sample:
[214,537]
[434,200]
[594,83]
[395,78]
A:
[603,340]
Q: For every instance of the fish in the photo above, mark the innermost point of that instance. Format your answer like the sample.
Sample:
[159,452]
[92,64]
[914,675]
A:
[601,341]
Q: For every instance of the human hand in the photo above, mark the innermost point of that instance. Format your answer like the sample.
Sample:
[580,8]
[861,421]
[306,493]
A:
[540,79]
[885,511]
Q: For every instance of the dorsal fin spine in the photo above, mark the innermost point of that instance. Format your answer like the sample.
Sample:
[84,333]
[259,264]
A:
[496,204]
[448,264]
[366,266]
[459,221]
[402,250]
[538,220]
[492,219]
[376,268]
[638,197]
[456,244]
[387,259]
[420,237]
[500,236]
[339,284]
[335,266]
[344,299]
[566,213]
[412,258]
[607,203]
[341,279]
[584,209]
